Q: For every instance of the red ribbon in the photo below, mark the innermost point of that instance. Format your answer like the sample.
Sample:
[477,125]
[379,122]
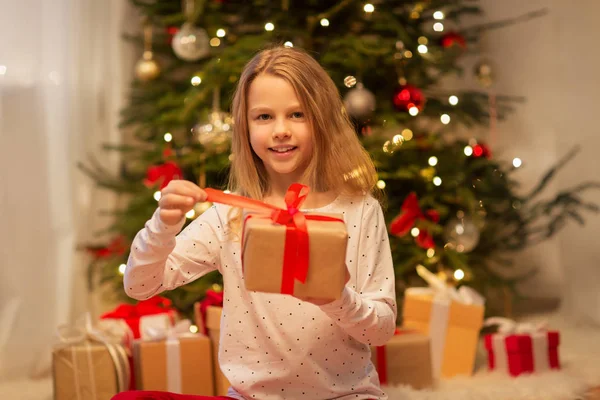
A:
[411,212]
[296,250]
[132,313]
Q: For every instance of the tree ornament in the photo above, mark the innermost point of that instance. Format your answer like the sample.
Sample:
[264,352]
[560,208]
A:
[482,150]
[410,214]
[147,68]
[190,43]
[162,174]
[360,102]
[215,133]
[453,39]
[462,233]
[408,96]
[484,73]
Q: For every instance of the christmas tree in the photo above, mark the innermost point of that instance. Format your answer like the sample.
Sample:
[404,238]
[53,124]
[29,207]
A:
[451,206]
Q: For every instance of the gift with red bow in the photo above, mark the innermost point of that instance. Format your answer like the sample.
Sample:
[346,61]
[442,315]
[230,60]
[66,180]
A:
[404,360]
[207,314]
[156,313]
[285,250]
[174,360]
[519,348]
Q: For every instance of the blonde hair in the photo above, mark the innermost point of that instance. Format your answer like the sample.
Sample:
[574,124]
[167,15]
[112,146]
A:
[339,163]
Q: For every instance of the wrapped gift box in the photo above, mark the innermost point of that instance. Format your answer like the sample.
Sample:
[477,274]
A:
[211,322]
[178,363]
[87,367]
[265,244]
[155,312]
[521,353]
[452,326]
[404,360]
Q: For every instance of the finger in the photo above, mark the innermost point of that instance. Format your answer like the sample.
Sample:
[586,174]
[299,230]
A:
[172,201]
[181,188]
[199,193]
[170,217]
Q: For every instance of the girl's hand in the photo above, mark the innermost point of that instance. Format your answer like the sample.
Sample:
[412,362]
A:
[177,198]
[322,302]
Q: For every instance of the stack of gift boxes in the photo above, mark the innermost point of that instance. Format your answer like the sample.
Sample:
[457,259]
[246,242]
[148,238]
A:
[438,338]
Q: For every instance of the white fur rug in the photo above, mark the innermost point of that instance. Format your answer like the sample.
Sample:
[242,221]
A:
[580,358]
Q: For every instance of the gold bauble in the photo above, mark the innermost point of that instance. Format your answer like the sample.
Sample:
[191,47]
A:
[147,68]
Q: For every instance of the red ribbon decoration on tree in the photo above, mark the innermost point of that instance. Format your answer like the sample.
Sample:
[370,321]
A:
[163,173]
[296,250]
[115,247]
[411,212]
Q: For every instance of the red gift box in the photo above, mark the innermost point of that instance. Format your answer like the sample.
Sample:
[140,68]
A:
[524,352]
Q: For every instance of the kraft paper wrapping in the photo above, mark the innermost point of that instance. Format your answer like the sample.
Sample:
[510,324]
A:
[407,361]
[213,324]
[453,327]
[263,250]
[179,365]
[90,362]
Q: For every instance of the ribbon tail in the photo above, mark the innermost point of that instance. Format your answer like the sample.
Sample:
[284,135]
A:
[216,196]
[303,249]
[402,223]
[289,260]
[382,365]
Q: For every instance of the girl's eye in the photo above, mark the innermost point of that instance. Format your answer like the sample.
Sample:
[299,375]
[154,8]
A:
[263,117]
[298,114]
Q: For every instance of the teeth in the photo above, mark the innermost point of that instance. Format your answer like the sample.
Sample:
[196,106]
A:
[283,149]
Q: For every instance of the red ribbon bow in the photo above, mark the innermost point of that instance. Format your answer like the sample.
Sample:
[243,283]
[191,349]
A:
[132,313]
[411,212]
[162,174]
[296,250]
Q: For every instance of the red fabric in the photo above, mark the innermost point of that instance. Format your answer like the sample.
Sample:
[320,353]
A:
[411,212]
[152,395]
[519,350]
[296,250]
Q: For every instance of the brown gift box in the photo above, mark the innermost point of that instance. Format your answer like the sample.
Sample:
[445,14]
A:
[151,360]
[263,251]
[455,332]
[213,326]
[82,369]
[407,358]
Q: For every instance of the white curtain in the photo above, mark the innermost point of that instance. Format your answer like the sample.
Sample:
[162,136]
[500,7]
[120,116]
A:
[64,69]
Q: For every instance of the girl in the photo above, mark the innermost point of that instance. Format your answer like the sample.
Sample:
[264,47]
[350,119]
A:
[289,127]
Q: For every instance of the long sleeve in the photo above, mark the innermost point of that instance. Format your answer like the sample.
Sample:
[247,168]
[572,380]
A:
[162,260]
[368,314]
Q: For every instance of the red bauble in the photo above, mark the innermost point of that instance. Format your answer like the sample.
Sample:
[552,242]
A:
[408,96]
[163,174]
[451,39]
[481,150]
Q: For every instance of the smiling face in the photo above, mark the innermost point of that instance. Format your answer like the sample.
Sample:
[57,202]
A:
[280,132]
